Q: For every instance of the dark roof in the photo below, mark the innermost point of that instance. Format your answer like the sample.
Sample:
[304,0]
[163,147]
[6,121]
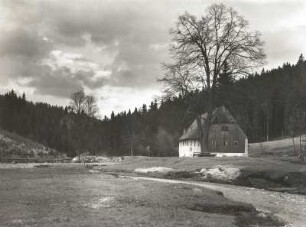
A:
[219,115]
[222,115]
[192,132]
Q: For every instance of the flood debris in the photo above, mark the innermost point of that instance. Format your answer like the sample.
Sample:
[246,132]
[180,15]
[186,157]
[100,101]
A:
[158,169]
[222,173]
[96,159]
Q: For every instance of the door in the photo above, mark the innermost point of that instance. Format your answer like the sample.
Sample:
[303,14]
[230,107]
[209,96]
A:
[225,142]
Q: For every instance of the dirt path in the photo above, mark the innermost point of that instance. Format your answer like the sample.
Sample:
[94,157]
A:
[288,207]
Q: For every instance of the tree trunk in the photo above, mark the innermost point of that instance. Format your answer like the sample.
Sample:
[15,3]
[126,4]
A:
[200,133]
[204,136]
[267,127]
[131,147]
[209,113]
[301,151]
[294,147]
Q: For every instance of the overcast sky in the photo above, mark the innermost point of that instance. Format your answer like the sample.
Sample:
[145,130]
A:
[113,48]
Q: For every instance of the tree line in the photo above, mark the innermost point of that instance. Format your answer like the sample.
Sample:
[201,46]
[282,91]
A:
[268,105]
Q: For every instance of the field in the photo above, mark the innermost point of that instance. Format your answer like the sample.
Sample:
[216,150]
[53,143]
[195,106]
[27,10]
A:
[73,195]
[148,191]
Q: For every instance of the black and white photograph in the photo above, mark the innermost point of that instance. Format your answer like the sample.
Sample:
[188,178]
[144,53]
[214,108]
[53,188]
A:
[159,113]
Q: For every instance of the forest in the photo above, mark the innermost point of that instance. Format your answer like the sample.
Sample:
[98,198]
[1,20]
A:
[267,105]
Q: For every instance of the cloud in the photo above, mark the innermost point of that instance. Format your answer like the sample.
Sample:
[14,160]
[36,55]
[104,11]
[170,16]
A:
[272,15]
[89,79]
[21,51]
[282,48]
[59,46]
[128,29]
[123,33]
[61,82]
[21,42]
[106,21]
[140,70]
[56,83]
[119,99]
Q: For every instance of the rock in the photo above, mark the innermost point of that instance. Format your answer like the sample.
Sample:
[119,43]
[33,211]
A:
[75,159]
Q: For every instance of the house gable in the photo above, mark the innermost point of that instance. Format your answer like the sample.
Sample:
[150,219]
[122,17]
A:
[222,115]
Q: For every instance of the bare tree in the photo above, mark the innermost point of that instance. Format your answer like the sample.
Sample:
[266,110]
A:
[178,81]
[77,103]
[91,108]
[201,48]
[82,103]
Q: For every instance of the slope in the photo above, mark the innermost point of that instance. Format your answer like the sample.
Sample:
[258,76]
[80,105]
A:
[15,148]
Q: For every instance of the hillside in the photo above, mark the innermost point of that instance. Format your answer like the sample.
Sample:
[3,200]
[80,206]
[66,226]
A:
[15,148]
[287,147]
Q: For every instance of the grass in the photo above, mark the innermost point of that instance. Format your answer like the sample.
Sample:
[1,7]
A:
[72,196]
[97,195]
[266,172]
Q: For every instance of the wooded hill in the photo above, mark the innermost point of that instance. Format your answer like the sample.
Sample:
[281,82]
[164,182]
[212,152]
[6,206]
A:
[267,106]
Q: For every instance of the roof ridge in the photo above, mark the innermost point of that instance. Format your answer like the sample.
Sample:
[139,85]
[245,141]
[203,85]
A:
[220,115]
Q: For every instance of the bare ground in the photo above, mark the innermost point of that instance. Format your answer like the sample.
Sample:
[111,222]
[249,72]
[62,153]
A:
[289,207]
[72,195]
[267,172]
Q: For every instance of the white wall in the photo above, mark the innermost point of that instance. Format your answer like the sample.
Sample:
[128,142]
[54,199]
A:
[220,155]
[246,149]
[189,147]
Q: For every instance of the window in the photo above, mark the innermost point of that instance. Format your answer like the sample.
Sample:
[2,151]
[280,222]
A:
[224,128]
[213,143]
[236,143]
[225,143]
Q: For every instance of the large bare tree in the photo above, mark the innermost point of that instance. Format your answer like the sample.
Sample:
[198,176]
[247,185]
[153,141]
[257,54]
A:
[202,47]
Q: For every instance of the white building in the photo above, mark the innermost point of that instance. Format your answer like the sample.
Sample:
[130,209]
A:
[225,137]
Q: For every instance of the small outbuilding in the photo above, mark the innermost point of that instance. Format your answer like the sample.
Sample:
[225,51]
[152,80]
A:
[225,137]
